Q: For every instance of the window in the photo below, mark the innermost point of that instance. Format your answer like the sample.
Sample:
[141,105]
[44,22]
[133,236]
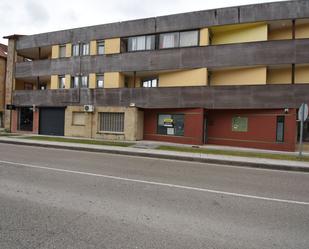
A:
[169,40]
[85,49]
[61,82]
[80,49]
[171,124]
[188,39]
[280,129]
[42,86]
[75,82]
[100,47]
[84,82]
[78,118]
[140,43]
[80,82]
[28,86]
[112,122]
[240,124]
[150,82]
[62,51]
[100,80]
[75,50]
[306,131]
[179,39]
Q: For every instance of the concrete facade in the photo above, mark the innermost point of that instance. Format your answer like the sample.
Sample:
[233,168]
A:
[250,58]
[9,81]
[133,123]
[3,57]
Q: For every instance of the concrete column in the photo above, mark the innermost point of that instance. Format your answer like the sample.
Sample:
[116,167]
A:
[9,81]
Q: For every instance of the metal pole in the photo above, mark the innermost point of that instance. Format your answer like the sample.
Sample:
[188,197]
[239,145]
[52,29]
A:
[301,130]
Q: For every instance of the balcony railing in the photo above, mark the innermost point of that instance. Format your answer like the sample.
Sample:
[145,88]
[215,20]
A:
[220,97]
[233,55]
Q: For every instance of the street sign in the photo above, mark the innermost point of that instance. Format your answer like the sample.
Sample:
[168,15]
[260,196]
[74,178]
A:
[302,116]
[303,112]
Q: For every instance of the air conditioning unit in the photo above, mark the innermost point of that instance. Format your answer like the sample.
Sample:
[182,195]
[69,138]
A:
[88,108]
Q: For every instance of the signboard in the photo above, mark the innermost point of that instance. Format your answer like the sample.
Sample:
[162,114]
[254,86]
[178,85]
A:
[168,122]
[10,107]
[170,131]
[303,112]
[240,124]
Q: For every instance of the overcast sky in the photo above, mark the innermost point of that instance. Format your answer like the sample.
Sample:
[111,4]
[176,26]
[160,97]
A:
[38,16]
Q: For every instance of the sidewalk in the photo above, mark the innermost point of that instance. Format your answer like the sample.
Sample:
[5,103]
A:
[147,149]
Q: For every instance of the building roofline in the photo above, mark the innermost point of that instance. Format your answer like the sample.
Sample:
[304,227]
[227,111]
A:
[16,36]
[251,13]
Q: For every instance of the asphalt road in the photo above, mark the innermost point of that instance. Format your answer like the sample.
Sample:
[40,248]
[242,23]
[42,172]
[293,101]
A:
[66,199]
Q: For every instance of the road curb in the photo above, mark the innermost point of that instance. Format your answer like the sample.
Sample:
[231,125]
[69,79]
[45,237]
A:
[171,157]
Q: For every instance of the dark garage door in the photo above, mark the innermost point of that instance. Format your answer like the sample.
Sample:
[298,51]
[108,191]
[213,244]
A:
[52,121]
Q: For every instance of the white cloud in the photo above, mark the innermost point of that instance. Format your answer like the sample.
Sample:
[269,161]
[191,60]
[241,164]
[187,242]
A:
[37,16]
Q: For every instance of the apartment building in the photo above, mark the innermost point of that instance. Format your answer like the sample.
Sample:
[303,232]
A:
[233,76]
[3,54]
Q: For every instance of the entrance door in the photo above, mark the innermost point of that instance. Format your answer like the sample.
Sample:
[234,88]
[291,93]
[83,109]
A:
[205,130]
[52,121]
[25,119]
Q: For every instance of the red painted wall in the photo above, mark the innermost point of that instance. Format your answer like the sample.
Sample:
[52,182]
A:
[193,125]
[261,134]
[14,125]
[261,129]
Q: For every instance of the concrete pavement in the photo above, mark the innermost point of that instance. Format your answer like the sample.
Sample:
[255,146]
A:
[71,199]
[148,151]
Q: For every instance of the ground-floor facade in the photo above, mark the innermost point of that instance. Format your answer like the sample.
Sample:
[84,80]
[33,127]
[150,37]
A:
[272,129]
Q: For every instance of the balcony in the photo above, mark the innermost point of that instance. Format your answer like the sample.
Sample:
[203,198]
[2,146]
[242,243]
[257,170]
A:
[220,97]
[246,54]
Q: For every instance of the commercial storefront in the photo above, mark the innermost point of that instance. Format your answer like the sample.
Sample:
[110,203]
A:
[264,129]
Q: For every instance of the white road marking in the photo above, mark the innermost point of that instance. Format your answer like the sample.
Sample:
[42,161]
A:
[159,183]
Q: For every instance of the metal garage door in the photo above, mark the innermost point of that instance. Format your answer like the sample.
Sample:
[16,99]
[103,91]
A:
[52,121]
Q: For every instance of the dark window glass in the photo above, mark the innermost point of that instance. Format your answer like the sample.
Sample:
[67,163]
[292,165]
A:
[280,129]
[79,82]
[84,82]
[100,47]
[75,82]
[306,131]
[100,80]
[75,50]
[62,50]
[171,124]
[85,49]
[1,119]
[28,86]
[25,119]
